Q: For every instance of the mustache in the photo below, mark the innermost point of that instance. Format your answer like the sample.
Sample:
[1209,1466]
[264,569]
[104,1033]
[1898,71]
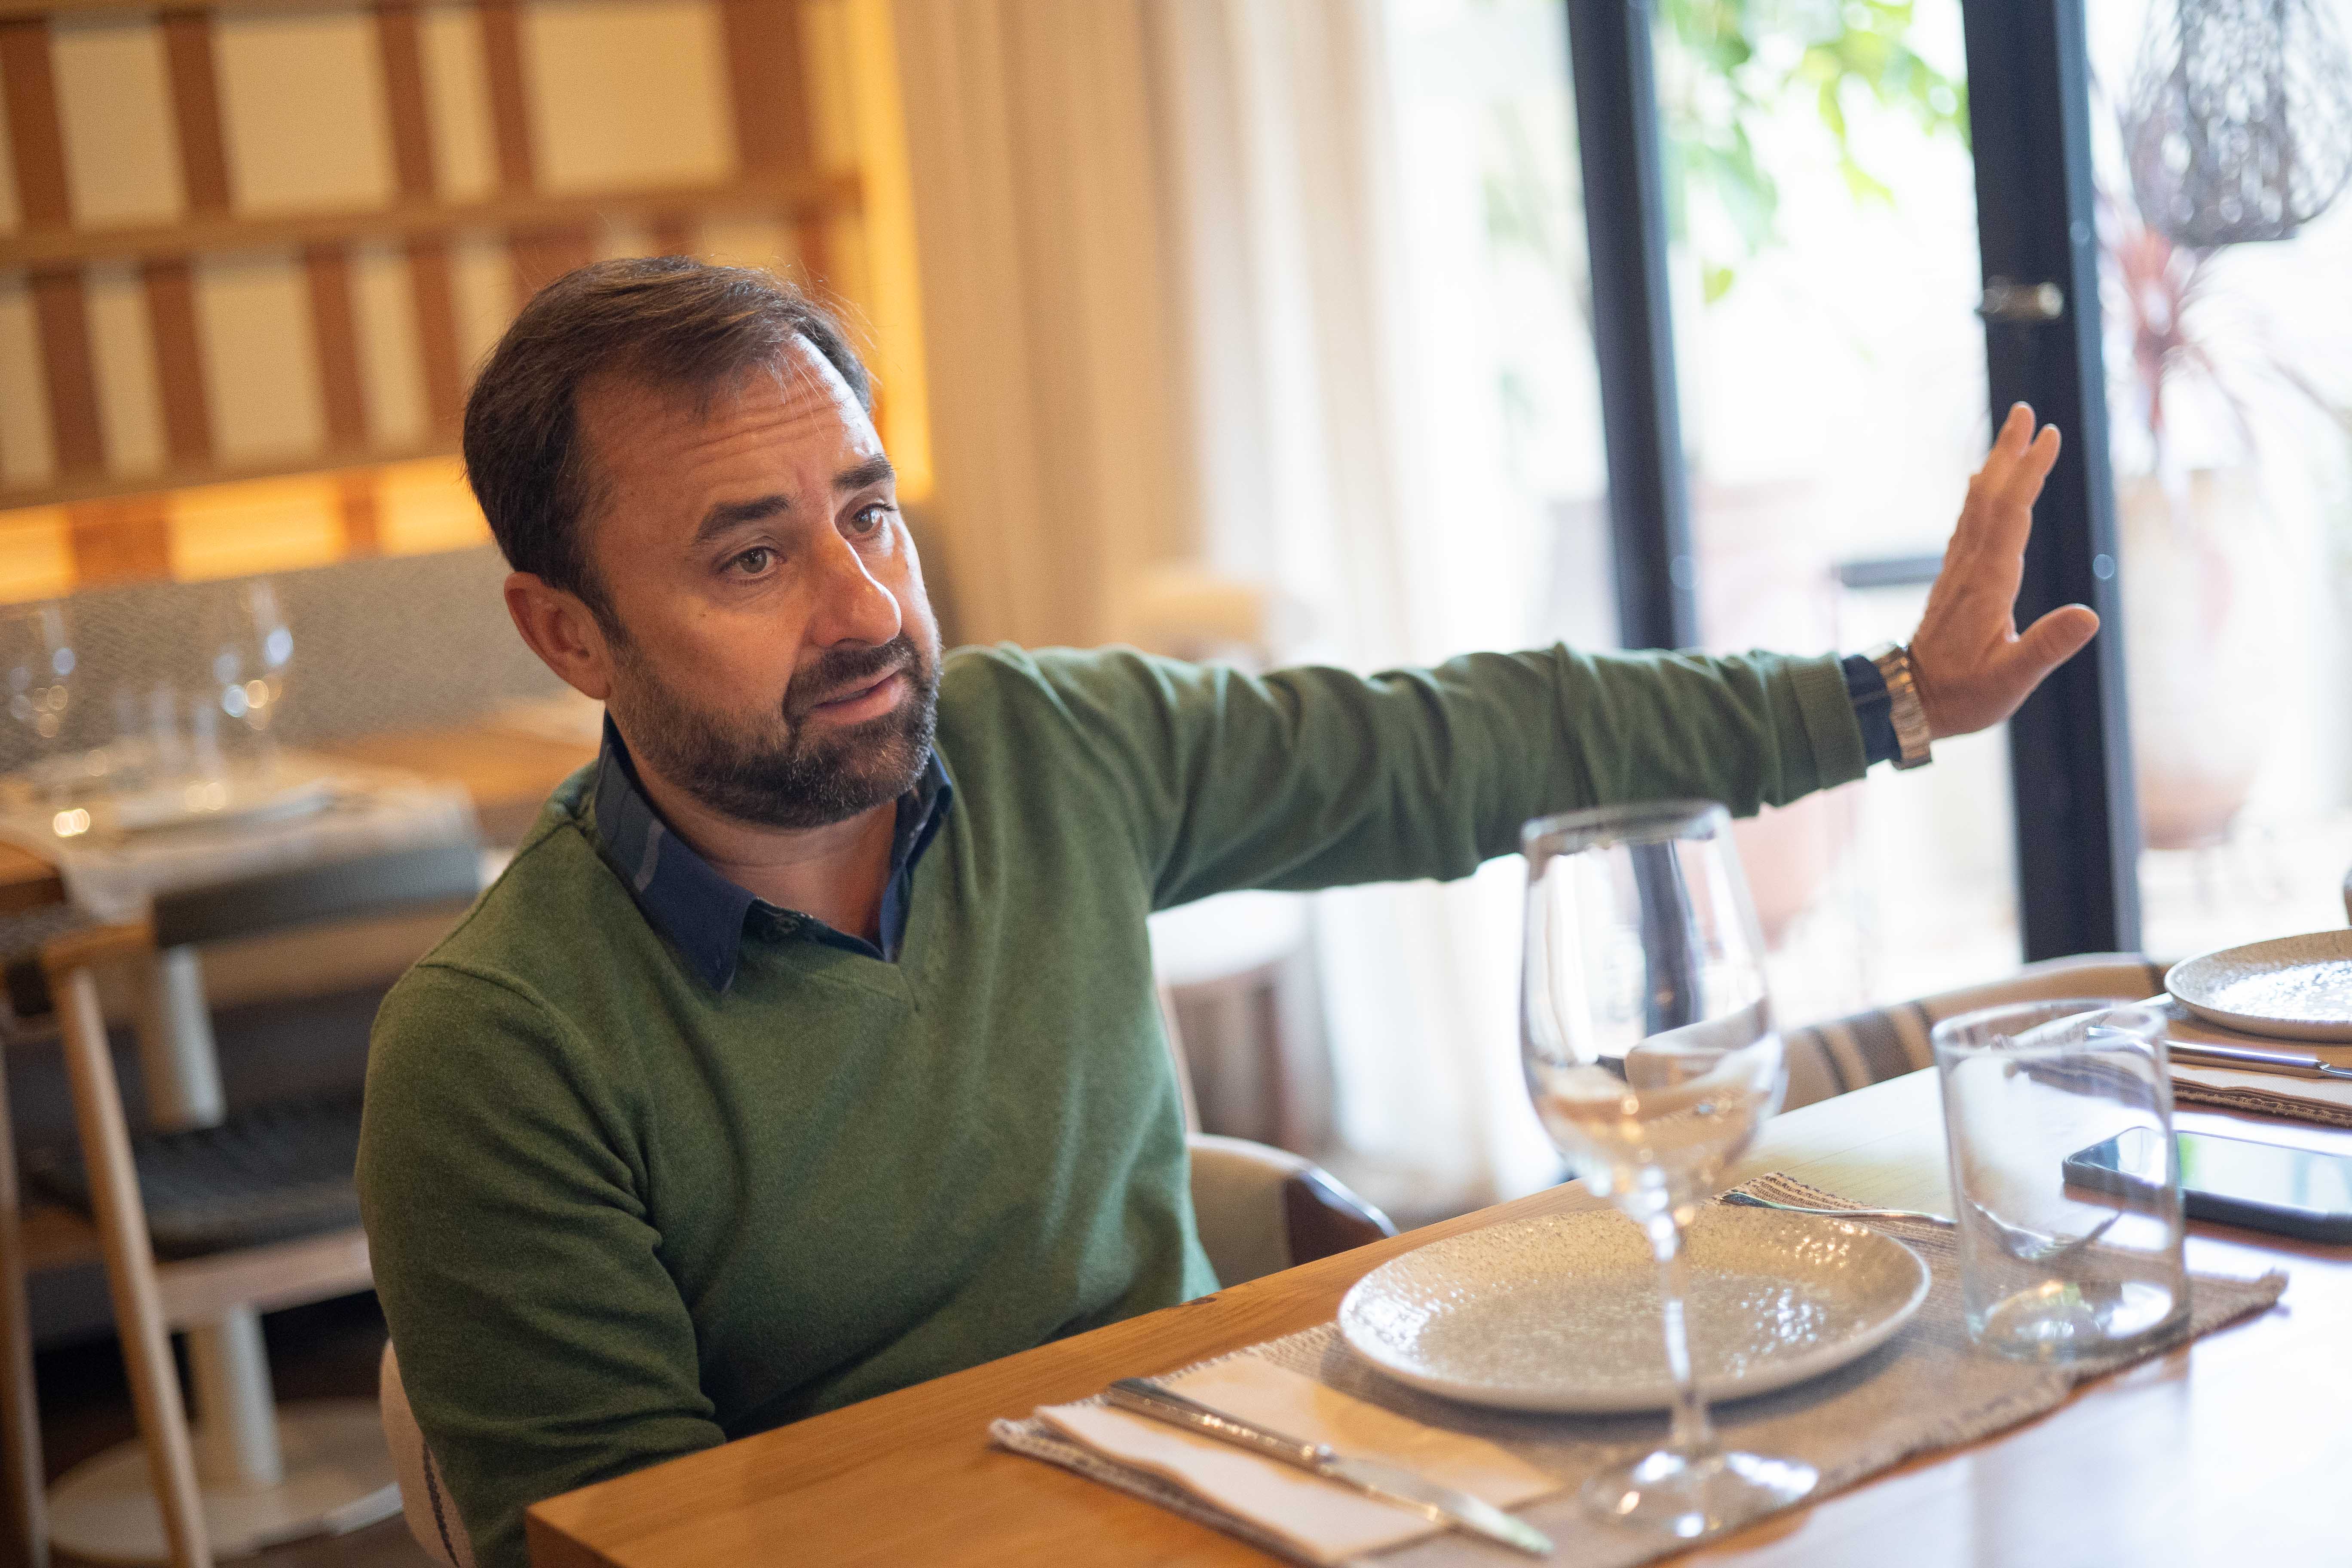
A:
[840,668]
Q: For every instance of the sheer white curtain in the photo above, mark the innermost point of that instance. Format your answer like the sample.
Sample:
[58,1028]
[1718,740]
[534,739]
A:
[1174,314]
[1344,455]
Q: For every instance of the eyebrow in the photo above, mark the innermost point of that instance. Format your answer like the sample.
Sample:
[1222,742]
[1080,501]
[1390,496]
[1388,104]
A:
[734,515]
[872,471]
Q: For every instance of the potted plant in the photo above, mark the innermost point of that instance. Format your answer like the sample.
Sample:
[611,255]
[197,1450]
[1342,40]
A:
[2200,563]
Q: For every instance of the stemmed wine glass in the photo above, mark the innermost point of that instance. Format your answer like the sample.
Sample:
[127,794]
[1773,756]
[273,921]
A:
[36,662]
[1652,1057]
[244,648]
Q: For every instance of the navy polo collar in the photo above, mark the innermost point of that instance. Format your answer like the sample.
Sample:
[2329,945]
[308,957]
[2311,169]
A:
[700,911]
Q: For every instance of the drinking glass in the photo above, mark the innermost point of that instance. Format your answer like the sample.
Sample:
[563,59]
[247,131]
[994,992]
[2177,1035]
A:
[244,648]
[37,660]
[1652,1057]
[2057,1265]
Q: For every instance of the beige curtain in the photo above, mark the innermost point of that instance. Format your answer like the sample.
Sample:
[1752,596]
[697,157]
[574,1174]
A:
[1166,322]
[1059,431]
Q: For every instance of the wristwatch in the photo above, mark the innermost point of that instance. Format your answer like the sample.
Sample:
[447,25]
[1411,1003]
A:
[1908,714]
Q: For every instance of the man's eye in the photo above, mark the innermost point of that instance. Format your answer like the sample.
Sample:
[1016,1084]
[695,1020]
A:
[752,562]
[869,519]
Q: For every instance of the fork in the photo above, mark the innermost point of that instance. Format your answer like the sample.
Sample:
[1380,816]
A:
[2025,1246]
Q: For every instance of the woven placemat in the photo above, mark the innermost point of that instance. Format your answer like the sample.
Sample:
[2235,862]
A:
[1929,1387]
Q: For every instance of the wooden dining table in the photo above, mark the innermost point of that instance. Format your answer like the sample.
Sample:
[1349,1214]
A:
[509,774]
[2232,1448]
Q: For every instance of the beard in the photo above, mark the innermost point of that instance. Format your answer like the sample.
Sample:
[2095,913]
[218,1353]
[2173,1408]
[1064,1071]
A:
[776,770]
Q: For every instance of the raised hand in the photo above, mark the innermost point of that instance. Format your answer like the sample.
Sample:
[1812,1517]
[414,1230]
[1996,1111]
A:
[1973,666]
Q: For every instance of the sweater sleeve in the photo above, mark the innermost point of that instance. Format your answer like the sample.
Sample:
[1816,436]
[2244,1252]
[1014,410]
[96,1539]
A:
[541,1341]
[1316,777]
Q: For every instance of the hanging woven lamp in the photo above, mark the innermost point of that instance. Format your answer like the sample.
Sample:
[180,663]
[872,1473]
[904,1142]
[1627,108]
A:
[2239,122]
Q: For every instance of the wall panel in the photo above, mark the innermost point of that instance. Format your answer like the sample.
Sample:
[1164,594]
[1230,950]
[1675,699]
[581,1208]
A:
[27,452]
[302,106]
[626,93]
[247,239]
[122,345]
[261,374]
[121,151]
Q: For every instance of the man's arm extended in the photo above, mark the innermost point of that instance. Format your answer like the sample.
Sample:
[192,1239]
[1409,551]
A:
[542,1344]
[1315,778]
[1312,777]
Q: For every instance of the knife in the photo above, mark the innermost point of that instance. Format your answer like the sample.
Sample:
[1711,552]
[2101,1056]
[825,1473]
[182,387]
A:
[2295,1064]
[1441,1505]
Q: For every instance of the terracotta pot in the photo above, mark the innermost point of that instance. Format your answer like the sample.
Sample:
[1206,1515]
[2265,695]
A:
[2197,589]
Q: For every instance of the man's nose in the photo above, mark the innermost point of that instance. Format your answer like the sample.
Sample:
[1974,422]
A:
[852,604]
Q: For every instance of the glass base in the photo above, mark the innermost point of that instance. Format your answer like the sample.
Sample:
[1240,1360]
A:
[2064,1322]
[1673,1496]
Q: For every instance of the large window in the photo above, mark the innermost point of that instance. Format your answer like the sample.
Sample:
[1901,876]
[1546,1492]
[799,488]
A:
[1823,275]
[2222,135]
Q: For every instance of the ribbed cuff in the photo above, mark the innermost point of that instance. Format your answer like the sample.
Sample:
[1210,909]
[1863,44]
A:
[1832,725]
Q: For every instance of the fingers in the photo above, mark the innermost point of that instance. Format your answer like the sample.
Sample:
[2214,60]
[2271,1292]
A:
[2026,480]
[1999,513]
[2055,638]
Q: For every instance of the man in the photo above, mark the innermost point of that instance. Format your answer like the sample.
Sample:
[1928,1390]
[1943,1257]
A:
[808,1048]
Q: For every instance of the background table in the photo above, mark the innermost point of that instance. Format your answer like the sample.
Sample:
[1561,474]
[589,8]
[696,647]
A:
[509,774]
[2232,1448]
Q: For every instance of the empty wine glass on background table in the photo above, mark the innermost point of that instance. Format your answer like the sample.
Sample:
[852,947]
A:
[1652,1055]
[244,649]
[36,661]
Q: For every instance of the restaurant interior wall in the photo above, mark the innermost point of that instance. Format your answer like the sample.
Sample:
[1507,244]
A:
[249,254]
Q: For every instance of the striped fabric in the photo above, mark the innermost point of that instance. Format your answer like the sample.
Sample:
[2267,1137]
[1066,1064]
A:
[1868,1047]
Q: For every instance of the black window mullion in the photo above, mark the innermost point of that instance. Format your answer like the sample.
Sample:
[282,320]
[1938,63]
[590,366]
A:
[2069,746]
[1609,56]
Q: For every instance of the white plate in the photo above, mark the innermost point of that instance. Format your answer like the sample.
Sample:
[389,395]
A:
[188,803]
[1561,1314]
[2299,987]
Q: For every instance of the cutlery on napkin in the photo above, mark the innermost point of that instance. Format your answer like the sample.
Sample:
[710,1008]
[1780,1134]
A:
[1324,1521]
[2245,1087]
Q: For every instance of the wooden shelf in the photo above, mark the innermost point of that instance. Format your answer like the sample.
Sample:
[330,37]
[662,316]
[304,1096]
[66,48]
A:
[105,487]
[16,10]
[52,249]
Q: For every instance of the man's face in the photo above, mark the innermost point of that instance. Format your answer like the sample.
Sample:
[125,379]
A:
[773,653]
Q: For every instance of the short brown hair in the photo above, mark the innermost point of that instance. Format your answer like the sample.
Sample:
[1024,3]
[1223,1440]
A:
[669,321]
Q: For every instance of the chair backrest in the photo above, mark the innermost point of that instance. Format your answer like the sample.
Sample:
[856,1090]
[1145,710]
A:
[424,1496]
[445,872]
[1830,1059]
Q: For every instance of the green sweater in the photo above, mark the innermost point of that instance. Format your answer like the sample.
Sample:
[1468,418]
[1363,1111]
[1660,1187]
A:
[619,1216]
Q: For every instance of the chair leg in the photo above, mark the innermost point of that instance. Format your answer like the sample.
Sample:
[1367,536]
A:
[20,1411]
[130,1270]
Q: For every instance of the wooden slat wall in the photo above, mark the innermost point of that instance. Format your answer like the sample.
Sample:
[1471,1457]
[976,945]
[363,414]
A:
[114,522]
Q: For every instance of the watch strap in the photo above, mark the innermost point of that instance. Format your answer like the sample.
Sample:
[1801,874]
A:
[1904,708]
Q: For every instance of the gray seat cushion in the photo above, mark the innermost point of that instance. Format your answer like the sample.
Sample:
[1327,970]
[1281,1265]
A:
[270,1173]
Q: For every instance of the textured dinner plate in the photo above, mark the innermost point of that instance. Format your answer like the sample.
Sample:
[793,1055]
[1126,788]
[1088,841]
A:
[2298,987]
[1561,1313]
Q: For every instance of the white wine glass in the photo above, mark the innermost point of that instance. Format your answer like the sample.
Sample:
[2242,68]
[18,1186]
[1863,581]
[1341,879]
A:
[36,661]
[1652,1057]
[244,649]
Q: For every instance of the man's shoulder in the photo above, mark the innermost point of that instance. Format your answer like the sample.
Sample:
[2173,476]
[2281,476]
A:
[1005,680]
[552,920]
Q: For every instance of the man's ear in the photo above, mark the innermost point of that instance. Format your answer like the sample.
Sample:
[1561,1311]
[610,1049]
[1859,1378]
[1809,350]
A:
[563,631]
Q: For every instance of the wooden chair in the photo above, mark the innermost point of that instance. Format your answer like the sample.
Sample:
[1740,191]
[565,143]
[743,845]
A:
[1259,1210]
[1830,1059]
[296,1243]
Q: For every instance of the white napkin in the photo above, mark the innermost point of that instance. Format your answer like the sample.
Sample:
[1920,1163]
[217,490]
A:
[1322,1520]
[2322,1100]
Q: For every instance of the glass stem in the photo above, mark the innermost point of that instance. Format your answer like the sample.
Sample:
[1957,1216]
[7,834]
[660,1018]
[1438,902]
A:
[1693,1437]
